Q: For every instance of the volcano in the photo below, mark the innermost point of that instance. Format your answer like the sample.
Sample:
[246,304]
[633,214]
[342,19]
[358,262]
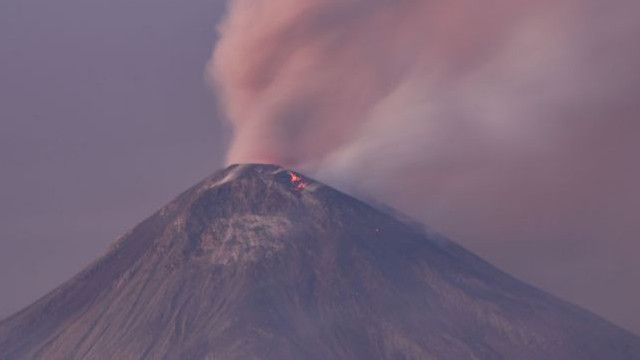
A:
[258,262]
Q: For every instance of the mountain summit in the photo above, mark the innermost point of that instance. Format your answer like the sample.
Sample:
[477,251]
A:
[258,262]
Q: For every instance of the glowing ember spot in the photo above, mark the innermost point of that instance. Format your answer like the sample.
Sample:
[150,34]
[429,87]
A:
[296,180]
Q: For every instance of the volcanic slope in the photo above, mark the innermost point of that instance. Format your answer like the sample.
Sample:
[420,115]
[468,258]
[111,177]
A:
[257,262]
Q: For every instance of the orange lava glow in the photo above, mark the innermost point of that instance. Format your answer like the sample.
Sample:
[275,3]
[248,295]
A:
[295,177]
[297,181]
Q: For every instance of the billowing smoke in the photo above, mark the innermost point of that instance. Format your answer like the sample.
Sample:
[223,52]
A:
[513,125]
[303,80]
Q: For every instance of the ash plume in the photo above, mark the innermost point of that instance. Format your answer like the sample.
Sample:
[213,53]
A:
[504,124]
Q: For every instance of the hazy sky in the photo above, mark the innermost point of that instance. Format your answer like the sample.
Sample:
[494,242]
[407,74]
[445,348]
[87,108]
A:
[105,116]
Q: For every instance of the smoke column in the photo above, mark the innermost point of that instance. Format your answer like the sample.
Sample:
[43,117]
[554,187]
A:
[511,125]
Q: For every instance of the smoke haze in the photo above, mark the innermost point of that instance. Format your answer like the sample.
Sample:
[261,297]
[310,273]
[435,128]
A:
[511,126]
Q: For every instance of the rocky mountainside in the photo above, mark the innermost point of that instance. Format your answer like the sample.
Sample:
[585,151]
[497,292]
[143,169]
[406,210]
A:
[257,262]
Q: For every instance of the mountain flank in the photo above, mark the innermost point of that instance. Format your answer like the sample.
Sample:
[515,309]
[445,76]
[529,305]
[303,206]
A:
[259,262]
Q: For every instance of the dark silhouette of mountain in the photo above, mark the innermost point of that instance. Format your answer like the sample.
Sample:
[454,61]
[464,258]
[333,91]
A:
[257,262]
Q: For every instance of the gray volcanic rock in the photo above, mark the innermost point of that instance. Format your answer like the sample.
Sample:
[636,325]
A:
[260,263]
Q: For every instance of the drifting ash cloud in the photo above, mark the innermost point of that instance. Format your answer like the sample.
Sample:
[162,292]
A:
[511,125]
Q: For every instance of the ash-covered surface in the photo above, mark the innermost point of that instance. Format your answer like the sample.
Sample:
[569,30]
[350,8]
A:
[257,262]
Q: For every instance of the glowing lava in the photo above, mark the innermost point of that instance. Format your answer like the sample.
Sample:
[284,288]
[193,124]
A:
[297,181]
